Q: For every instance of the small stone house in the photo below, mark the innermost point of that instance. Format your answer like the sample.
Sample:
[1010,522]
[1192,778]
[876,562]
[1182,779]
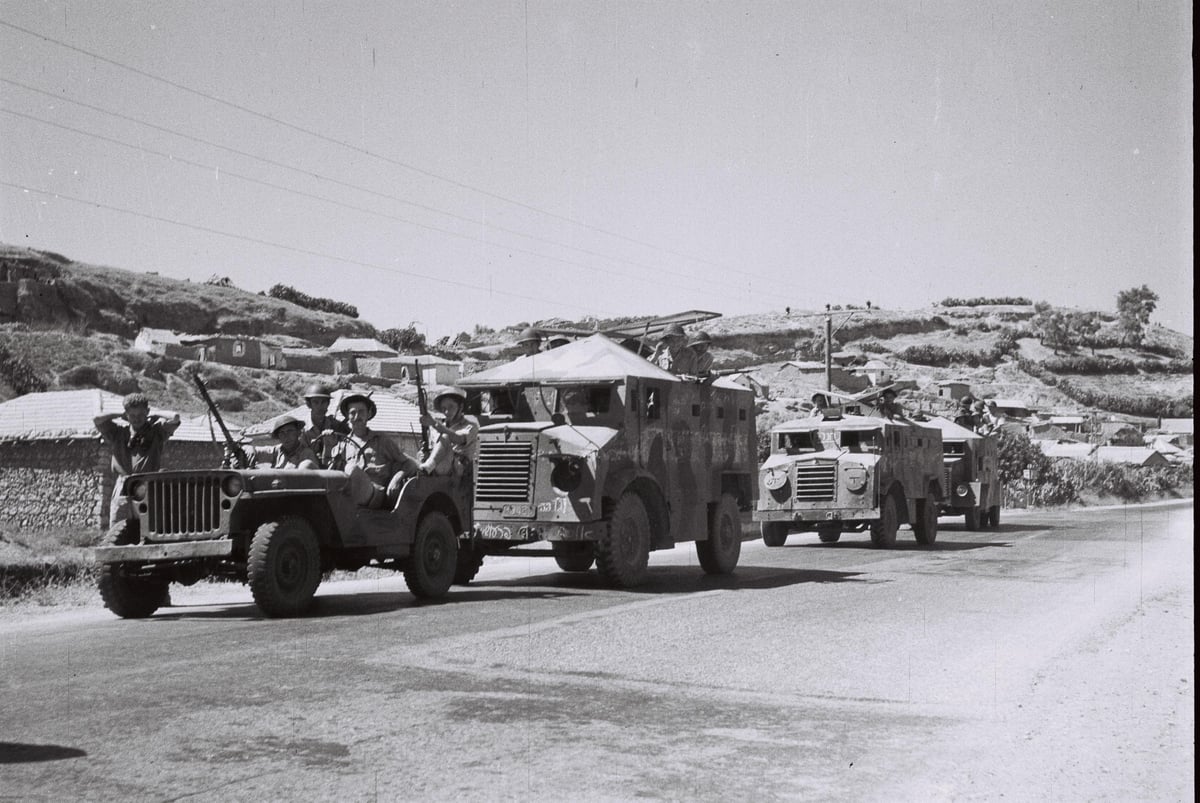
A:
[953,390]
[54,468]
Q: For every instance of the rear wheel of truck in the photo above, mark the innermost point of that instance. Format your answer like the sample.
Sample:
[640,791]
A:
[574,556]
[467,563]
[434,559]
[719,553]
[829,535]
[925,528]
[993,517]
[774,533]
[883,532]
[126,595]
[623,555]
[971,518]
[284,566]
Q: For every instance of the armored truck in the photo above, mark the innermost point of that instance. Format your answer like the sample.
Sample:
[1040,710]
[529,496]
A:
[971,480]
[278,531]
[841,473]
[608,457]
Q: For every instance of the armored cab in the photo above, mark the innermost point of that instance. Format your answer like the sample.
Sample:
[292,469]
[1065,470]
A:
[971,479]
[278,531]
[849,473]
[609,457]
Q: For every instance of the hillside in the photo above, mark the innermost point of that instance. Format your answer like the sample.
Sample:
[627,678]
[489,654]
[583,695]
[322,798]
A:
[47,291]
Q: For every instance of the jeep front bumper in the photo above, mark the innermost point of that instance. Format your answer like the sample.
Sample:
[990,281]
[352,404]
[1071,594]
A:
[148,553]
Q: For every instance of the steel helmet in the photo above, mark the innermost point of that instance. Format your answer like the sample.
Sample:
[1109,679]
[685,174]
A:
[350,398]
[674,330]
[529,335]
[700,339]
[450,393]
[285,421]
[317,390]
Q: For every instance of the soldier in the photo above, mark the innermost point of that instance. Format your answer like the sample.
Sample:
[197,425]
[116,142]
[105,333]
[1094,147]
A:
[376,465]
[820,403]
[888,408]
[702,360]
[454,449]
[316,397]
[292,451]
[671,353]
[530,341]
[985,422]
[137,448]
[966,418]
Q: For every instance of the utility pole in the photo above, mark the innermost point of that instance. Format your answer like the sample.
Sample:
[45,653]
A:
[828,348]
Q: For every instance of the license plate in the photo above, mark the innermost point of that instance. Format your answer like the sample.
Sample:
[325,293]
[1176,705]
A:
[521,510]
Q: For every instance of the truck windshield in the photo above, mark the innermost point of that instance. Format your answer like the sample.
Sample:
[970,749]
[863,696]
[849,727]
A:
[798,442]
[856,440]
[584,404]
[952,447]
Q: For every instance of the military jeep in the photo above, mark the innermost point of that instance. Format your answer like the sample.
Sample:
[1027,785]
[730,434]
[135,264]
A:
[277,530]
[842,473]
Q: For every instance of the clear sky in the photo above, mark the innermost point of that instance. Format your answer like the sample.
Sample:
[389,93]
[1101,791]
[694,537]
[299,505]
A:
[498,161]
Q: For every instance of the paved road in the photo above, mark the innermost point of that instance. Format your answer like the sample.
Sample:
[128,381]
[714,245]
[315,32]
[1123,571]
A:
[1051,659]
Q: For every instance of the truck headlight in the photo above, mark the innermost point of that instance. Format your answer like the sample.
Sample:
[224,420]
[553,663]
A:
[232,485]
[962,489]
[137,490]
[567,475]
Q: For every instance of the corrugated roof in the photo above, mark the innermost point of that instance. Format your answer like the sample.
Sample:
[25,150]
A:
[394,414]
[593,359]
[68,414]
[1070,449]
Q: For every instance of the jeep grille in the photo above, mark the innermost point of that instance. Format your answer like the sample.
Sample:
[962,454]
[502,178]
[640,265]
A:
[503,471]
[187,506]
[815,483]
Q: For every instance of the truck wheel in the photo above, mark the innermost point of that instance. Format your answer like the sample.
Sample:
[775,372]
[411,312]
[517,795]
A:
[434,559]
[883,532]
[993,521]
[574,556]
[466,564]
[829,535]
[774,533]
[925,528]
[971,518]
[719,553]
[127,596]
[284,566]
[623,555]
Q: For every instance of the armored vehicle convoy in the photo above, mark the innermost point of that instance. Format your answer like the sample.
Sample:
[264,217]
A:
[838,473]
[971,479]
[608,457]
[278,531]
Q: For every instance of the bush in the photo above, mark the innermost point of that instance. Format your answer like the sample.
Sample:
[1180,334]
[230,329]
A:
[1125,482]
[286,293]
[1149,406]
[928,354]
[19,374]
[986,302]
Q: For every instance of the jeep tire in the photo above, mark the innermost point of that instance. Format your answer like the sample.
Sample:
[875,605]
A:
[719,553]
[128,596]
[467,563]
[284,566]
[434,559]
[623,554]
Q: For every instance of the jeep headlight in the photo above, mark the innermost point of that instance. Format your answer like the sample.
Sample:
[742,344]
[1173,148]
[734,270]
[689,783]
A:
[138,489]
[962,489]
[567,475]
[232,485]
[854,477]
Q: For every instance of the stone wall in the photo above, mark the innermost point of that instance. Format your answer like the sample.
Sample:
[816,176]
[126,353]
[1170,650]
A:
[57,484]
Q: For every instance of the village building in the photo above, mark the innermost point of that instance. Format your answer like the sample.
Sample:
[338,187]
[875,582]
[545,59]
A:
[1066,449]
[55,470]
[1131,456]
[953,390]
[1179,431]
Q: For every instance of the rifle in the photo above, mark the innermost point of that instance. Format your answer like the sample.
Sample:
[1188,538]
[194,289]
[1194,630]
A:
[423,405]
[238,455]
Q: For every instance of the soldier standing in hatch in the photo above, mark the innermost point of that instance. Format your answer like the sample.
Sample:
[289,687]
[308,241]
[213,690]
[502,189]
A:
[702,359]
[317,397]
[137,448]
[530,341]
[671,353]
[888,407]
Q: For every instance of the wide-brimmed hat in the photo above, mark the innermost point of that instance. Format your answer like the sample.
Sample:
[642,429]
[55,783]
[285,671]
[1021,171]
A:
[284,421]
[350,398]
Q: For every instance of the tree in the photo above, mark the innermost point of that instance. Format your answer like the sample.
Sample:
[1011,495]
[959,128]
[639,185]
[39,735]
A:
[1133,310]
[407,340]
[1084,327]
[1041,319]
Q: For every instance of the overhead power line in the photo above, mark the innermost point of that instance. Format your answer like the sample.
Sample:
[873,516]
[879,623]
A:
[358,149]
[304,251]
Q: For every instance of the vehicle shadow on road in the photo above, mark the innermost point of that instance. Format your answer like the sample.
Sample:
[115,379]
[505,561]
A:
[686,580]
[20,753]
[904,546]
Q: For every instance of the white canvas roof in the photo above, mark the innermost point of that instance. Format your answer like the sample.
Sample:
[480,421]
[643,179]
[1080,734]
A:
[593,359]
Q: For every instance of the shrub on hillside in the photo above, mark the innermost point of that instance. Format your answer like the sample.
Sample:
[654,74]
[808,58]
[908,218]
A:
[929,354]
[1149,406]
[986,302]
[286,293]
[1045,483]
[103,376]
[19,374]
[1125,482]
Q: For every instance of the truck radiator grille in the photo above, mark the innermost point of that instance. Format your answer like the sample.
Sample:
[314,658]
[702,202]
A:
[815,483]
[946,486]
[503,472]
[187,506]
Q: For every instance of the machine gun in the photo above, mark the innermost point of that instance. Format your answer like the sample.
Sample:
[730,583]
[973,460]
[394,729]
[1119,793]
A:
[423,405]
[239,457]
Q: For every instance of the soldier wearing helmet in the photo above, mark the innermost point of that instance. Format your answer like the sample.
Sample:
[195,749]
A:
[292,451]
[316,397]
[888,407]
[702,359]
[966,417]
[671,353]
[457,435]
[377,467]
[530,341]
